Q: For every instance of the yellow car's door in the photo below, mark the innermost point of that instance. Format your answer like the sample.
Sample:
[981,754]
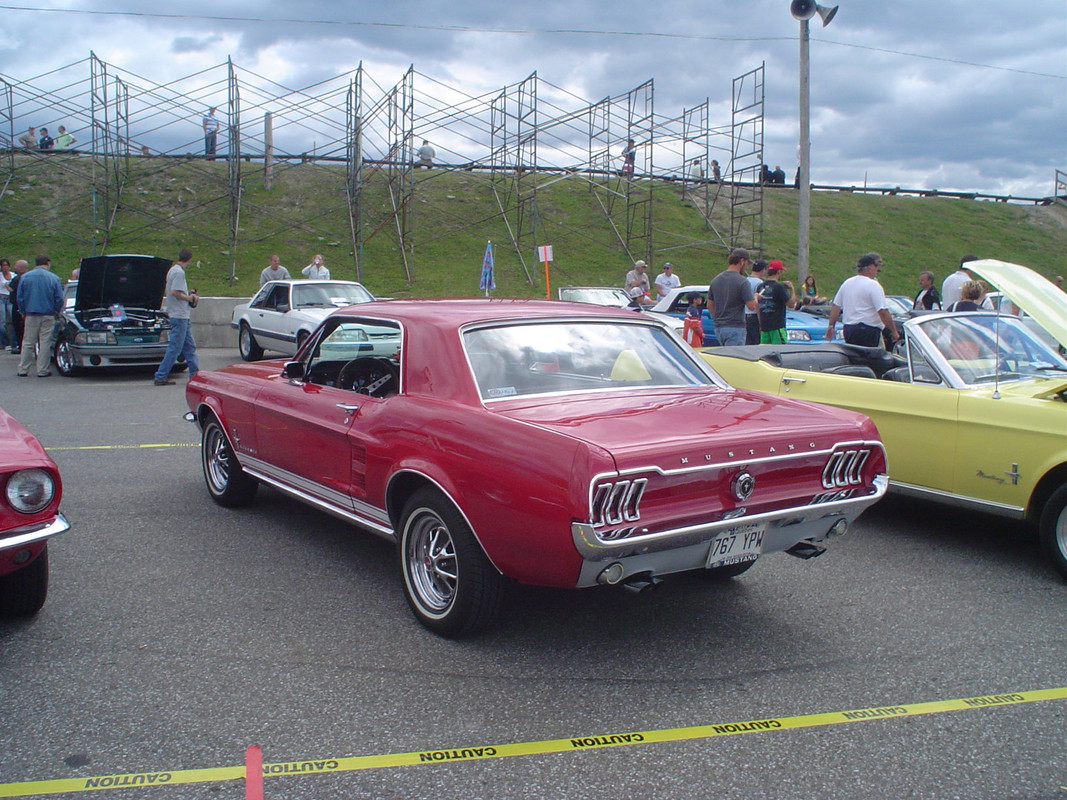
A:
[918,422]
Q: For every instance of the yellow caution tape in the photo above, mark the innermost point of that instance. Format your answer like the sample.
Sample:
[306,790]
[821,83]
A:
[319,766]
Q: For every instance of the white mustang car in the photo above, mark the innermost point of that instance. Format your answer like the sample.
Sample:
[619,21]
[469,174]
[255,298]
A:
[284,313]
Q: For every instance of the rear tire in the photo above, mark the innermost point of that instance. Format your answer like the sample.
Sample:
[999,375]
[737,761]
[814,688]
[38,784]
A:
[227,483]
[450,584]
[247,345]
[23,592]
[1052,530]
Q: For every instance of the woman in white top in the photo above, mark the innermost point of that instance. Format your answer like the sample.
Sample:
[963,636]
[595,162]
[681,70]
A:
[316,270]
[7,328]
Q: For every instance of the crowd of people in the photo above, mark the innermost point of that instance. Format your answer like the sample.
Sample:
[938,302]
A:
[748,300]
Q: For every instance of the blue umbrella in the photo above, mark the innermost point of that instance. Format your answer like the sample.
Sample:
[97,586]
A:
[487,281]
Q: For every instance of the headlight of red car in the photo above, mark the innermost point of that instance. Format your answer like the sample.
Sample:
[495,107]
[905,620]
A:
[30,490]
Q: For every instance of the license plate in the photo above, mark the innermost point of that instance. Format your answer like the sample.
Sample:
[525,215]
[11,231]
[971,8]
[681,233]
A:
[736,545]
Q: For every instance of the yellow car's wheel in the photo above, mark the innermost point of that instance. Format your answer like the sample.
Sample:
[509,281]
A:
[1053,529]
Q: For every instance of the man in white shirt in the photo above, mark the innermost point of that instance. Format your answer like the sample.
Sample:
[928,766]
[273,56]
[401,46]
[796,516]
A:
[950,289]
[667,280]
[861,300]
[211,132]
[426,154]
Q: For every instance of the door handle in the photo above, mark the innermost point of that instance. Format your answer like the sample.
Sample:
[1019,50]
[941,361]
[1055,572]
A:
[348,408]
[787,380]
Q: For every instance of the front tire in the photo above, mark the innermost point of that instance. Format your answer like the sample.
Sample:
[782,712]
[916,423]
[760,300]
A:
[66,364]
[450,584]
[247,344]
[1052,530]
[227,483]
[23,592]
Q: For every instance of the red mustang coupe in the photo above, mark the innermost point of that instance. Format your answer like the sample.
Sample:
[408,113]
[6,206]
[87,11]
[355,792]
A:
[29,517]
[532,441]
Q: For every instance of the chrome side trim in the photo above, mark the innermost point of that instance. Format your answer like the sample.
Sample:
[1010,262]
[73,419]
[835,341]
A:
[335,503]
[29,534]
[592,547]
[958,500]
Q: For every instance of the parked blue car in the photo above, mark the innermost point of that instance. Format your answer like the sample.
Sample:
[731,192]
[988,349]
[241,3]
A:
[802,328]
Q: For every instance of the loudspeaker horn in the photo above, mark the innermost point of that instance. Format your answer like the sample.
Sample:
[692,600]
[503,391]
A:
[806,9]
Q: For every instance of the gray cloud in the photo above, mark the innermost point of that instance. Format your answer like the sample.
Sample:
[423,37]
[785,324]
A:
[909,91]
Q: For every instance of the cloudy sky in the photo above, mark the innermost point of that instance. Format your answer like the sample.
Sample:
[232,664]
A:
[965,95]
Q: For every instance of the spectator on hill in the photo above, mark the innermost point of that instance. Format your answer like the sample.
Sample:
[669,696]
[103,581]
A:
[28,140]
[46,142]
[316,270]
[426,154]
[64,140]
[210,124]
[274,271]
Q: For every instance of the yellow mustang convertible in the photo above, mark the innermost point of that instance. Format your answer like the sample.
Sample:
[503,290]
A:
[972,409]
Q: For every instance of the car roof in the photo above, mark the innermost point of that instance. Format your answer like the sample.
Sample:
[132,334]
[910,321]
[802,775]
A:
[452,313]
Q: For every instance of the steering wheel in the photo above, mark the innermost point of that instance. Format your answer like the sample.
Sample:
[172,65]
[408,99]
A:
[377,377]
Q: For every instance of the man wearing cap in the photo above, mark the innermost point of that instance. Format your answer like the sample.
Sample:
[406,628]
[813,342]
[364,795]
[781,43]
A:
[756,279]
[773,299]
[950,289]
[860,301]
[729,295]
[637,283]
[667,280]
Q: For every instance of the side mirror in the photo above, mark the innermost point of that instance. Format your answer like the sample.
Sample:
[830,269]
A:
[293,371]
[282,308]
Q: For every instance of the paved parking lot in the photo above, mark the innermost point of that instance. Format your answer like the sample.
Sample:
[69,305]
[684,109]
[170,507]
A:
[178,633]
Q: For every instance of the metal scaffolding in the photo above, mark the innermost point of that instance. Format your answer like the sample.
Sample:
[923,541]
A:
[746,206]
[342,132]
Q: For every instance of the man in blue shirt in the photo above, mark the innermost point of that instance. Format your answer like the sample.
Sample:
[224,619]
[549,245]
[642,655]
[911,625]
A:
[40,298]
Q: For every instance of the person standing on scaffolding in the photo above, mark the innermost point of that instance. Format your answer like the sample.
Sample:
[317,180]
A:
[629,157]
[211,133]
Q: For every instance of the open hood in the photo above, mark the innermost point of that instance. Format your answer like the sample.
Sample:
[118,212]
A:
[1033,293]
[135,281]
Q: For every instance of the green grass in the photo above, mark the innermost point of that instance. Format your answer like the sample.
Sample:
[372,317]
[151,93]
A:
[49,206]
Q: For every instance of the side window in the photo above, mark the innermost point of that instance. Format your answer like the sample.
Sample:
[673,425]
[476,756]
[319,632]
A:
[358,355]
[279,295]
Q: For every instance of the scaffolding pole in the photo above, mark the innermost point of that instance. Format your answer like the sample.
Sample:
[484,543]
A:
[354,166]
[233,162]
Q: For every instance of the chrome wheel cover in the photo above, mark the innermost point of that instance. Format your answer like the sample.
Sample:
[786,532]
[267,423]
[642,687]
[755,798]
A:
[430,562]
[216,455]
[245,341]
[64,357]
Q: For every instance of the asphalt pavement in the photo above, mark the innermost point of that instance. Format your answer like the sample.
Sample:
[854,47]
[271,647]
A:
[914,659]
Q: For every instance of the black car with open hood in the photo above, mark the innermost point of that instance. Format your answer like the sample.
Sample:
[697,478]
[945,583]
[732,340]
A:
[115,320]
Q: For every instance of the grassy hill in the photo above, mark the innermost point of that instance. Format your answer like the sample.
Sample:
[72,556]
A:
[49,205]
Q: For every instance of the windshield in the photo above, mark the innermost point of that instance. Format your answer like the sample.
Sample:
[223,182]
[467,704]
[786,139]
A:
[329,295]
[597,296]
[540,358]
[982,348]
